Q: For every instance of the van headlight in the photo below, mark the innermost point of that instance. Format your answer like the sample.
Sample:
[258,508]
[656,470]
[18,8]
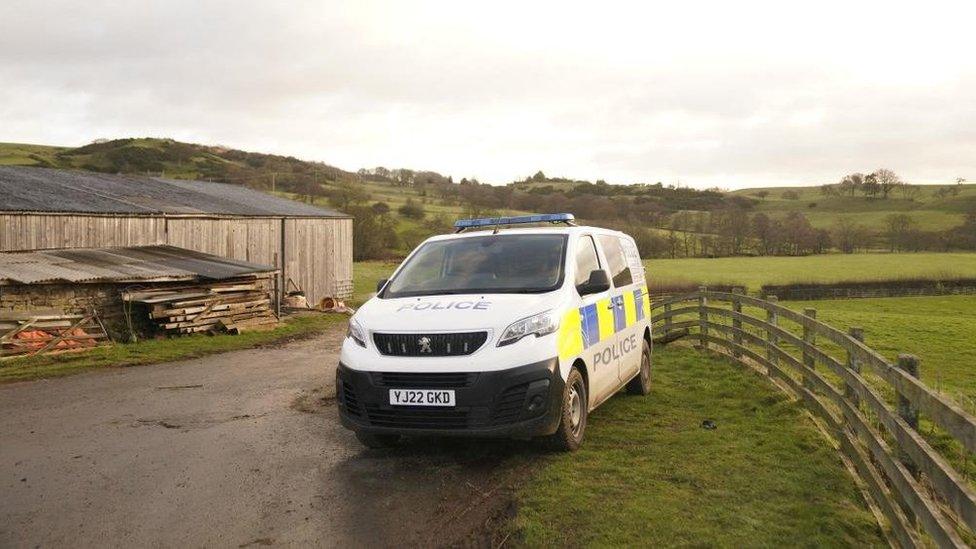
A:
[356,332]
[539,325]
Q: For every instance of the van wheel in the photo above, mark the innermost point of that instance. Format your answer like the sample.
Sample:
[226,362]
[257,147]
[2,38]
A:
[641,385]
[377,442]
[572,422]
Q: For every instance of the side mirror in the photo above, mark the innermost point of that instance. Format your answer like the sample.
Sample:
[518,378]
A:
[380,284]
[598,282]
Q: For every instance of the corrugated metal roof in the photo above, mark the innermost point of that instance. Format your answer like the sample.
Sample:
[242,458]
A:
[140,263]
[26,189]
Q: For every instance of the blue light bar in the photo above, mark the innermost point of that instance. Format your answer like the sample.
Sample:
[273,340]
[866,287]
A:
[517,220]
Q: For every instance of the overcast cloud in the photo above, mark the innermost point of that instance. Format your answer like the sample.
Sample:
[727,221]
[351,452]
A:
[731,94]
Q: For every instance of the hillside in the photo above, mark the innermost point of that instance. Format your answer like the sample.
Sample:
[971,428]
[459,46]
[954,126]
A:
[934,207]
[177,160]
[397,208]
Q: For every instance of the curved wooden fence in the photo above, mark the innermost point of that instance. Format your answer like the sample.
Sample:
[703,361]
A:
[869,406]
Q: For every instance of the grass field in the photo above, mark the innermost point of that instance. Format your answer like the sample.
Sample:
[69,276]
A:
[753,272]
[649,475]
[159,350]
[940,330]
[20,154]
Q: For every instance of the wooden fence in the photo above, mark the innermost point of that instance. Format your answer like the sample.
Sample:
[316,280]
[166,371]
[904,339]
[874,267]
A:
[869,406]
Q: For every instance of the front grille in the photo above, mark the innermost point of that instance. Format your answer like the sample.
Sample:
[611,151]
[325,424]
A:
[417,419]
[424,380]
[509,405]
[350,401]
[458,344]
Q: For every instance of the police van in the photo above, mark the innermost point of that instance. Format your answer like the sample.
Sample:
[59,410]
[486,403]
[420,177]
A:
[499,329]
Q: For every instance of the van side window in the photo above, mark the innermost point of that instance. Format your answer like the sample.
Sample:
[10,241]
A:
[617,262]
[586,259]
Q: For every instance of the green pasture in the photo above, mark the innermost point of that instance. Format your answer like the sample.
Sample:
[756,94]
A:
[21,154]
[753,272]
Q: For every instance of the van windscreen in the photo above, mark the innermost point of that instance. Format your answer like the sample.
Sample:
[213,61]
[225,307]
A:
[497,263]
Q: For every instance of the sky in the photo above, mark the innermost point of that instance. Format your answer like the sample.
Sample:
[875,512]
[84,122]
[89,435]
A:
[701,94]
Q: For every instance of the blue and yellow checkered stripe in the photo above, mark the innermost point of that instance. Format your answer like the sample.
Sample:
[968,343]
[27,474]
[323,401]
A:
[586,326]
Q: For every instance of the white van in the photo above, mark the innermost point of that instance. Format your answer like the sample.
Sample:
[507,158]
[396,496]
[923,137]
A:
[514,332]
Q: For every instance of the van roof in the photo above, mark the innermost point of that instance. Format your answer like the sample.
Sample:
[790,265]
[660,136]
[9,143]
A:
[570,230]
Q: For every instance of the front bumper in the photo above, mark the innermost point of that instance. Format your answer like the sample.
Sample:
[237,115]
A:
[519,402]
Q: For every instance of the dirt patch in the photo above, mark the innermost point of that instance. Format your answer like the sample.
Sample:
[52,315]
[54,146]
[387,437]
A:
[314,401]
[445,492]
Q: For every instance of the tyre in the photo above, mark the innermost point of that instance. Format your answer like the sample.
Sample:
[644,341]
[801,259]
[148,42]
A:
[572,422]
[641,385]
[376,442]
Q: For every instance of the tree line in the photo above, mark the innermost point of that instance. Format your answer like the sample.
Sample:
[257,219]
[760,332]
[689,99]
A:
[666,220]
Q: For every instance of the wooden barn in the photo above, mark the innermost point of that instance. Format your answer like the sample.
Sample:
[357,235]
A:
[44,208]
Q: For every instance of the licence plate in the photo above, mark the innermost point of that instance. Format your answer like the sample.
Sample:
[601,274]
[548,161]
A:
[422,397]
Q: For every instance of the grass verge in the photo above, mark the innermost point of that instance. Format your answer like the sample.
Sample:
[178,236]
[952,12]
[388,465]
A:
[159,350]
[650,475]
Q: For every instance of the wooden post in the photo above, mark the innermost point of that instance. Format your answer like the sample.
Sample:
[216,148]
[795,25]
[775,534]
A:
[277,287]
[809,336]
[856,333]
[736,322]
[771,339]
[702,318]
[667,320]
[908,411]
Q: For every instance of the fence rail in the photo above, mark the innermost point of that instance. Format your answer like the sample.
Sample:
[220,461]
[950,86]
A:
[875,421]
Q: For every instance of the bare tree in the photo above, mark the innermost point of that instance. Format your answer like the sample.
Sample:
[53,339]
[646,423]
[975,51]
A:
[871,187]
[886,180]
[899,229]
[762,230]
[761,194]
[849,235]
[852,183]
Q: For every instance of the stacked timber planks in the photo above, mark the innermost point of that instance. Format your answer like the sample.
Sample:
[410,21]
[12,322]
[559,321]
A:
[41,332]
[229,306]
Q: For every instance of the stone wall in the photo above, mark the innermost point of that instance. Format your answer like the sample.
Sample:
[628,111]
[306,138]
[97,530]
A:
[106,299]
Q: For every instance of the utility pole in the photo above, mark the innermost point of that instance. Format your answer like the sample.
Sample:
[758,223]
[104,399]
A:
[273,175]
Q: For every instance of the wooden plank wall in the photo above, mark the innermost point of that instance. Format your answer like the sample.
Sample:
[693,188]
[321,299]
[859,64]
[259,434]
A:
[319,256]
[318,252]
[37,232]
[254,240]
